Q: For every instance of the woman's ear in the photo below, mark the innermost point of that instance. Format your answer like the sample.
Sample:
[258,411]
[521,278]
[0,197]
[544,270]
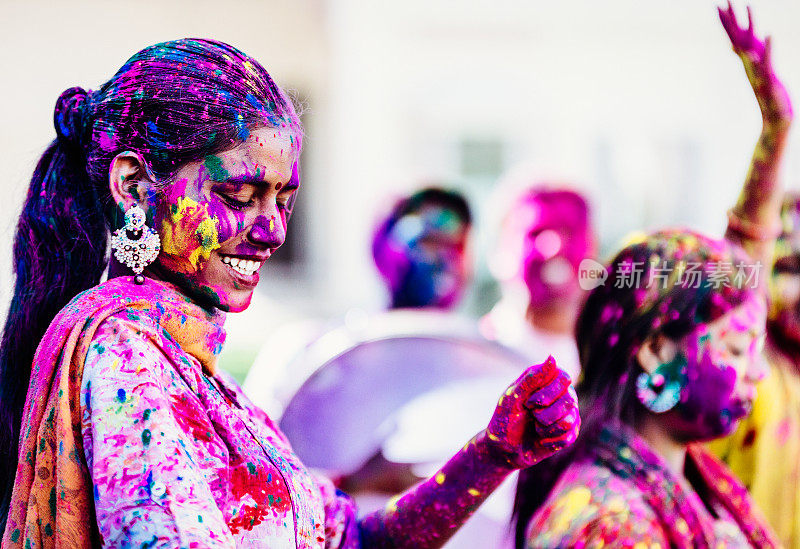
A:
[656,350]
[129,182]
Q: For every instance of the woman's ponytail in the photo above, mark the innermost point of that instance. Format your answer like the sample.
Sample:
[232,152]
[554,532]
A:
[59,251]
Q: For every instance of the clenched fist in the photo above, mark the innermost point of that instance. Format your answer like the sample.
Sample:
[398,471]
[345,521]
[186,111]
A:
[536,417]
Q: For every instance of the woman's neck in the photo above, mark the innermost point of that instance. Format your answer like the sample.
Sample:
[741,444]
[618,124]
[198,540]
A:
[673,452]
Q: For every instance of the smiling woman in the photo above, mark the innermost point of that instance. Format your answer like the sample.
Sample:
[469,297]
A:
[117,427]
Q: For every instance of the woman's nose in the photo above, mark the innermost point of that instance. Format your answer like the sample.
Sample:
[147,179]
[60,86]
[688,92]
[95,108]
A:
[267,231]
[758,368]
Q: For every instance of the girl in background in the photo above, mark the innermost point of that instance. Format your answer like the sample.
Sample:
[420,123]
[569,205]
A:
[670,347]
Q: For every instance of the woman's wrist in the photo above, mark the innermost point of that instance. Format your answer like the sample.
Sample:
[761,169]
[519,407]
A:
[428,514]
[753,229]
[773,101]
[490,451]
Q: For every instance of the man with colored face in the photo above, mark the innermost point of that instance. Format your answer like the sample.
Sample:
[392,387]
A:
[420,250]
[546,235]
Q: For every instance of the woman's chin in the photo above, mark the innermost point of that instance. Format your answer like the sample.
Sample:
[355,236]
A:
[237,306]
[723,429]
[210,288]
[234,301]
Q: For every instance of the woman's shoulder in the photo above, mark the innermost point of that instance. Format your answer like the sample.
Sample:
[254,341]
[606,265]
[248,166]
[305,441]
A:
[124,330]
[79,319]
[126,349]
[591,503]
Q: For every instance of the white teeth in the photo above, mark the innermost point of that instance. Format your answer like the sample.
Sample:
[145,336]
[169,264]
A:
[246,267]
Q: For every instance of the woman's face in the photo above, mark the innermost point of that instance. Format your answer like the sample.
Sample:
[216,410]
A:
[723,362]
[223,216]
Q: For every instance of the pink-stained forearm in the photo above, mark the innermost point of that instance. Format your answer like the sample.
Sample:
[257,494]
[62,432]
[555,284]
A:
[427,515]
[535,417]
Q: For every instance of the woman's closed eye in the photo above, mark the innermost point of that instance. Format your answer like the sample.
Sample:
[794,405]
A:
[235,203]
[736,352]
[236,199]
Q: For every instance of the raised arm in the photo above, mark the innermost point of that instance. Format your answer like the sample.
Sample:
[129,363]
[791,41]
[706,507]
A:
[754,222]
[536,417]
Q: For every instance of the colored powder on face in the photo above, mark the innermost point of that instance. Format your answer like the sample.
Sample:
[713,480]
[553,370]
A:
[214,166]
[706,404]
[190,232]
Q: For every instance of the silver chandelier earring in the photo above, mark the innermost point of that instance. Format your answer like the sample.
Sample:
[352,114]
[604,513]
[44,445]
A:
[135,245]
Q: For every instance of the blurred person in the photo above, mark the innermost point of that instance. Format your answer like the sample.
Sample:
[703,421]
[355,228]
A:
[668,361]
[421,249]
[117,428]
[545,235]
[665,507]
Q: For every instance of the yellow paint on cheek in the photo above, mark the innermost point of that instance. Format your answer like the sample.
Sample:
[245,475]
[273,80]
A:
[271,224]
[189,233]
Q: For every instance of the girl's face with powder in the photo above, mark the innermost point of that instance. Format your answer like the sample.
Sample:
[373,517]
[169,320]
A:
[224,215]
[721,363]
